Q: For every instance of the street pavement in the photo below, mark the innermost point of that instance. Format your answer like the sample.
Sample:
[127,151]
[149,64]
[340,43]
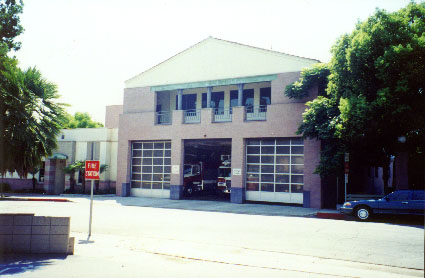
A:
[142,237]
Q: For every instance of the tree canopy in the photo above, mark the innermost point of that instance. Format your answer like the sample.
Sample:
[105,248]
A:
[10,26]
[374,90]
[30,117]
[80,120]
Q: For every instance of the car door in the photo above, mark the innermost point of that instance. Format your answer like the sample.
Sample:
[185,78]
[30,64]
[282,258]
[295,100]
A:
[396,203]
[417,204]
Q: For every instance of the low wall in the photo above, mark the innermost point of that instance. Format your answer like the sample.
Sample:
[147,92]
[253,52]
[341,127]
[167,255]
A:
[26,233]
[21,184]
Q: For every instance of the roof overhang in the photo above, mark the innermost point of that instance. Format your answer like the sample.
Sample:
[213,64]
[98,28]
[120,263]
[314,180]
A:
[212,83]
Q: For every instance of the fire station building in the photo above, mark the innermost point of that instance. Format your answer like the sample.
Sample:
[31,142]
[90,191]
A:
[218,97]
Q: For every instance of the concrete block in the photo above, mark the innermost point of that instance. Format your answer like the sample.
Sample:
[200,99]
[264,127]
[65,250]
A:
[6,230]
[23,219]
[125,189]
[59,244]
[41,221]
[40,244]
[6,219]
[21,243]
[6,244]
[40,230]
[22,230]
[237,195]
[176,192]
[59,230]
[62,221]
[71,242]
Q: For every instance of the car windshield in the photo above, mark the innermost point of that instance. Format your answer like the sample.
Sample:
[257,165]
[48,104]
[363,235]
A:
[224,172]
[398,196]
[187,169]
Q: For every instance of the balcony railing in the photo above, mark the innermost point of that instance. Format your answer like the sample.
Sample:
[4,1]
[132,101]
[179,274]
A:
[256,113]
[192,116]
[223,114]
[163,117]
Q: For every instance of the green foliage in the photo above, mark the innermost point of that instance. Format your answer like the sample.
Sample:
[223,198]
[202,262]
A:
[374,91]
[80,120]
[30,117]
[79,167]
[378,76]
[317,75]
[10,26]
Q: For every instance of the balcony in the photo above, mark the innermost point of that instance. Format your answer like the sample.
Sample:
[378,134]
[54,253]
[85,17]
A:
[256,113]
[192,116]
[163,118]
[222,115]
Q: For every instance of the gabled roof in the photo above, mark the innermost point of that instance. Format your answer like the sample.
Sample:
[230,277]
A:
[216,59]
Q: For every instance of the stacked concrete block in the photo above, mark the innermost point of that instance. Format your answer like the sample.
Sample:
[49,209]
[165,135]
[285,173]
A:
[26,233]
[40,234]
[22,233]
[59,235]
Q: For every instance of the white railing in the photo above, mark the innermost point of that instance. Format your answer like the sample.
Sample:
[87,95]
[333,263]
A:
[163,118]
[256,113]
[223,114]
[192,116]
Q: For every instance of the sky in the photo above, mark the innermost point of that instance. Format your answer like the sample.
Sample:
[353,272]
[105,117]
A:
[88,48]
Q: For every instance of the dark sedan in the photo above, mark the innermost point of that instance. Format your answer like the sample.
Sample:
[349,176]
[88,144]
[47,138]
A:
[397,202]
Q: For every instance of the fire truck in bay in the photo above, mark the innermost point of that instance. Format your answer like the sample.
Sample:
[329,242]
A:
[197,178]
[224,180]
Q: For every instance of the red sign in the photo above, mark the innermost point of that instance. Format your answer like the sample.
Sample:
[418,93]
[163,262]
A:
[92,169]
[346,168]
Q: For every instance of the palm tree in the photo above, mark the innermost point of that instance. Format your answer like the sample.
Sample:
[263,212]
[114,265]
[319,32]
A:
[30,118]
[79,167]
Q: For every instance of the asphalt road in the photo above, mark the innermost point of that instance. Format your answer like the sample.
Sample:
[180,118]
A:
[133,241]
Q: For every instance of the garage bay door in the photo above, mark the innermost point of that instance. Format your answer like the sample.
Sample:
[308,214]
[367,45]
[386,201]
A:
[150,169]
[274,170]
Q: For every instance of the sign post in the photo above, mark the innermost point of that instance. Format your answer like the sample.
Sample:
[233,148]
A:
[346,171]
[92,173]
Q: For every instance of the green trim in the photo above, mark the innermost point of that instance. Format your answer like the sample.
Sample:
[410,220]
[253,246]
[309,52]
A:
[222,82]
[58,156]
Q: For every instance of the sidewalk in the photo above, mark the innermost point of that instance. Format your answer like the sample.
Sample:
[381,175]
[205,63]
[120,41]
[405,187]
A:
[197,205]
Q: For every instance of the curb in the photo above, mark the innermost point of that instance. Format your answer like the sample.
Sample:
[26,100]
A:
[35,199]
[330,215]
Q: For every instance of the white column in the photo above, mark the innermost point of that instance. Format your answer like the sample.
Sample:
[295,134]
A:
[179,99]
[240,92]
[209,91]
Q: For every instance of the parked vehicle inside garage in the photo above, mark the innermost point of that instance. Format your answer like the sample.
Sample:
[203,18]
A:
[224,180]
[197,179]
[398,202]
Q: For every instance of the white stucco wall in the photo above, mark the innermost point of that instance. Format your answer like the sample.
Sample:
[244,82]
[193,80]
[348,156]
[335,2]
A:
[215,59]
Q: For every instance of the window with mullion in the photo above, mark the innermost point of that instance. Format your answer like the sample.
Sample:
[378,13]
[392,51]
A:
[151,167]
[275,165]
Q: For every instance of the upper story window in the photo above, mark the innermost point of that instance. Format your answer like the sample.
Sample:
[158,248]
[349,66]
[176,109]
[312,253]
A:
[265,96]
[233,98]
[217,100]
[188,102]
[248,97]
[204,100]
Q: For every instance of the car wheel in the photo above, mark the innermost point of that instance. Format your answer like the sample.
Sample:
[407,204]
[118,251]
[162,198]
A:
[189,190]
[363,213]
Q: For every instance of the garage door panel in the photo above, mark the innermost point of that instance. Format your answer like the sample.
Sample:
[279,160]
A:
[151,169]
[275,170]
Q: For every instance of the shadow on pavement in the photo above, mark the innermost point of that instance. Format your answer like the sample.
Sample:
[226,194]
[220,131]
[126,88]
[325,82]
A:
[20,263]
[416,221]
[85,241]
